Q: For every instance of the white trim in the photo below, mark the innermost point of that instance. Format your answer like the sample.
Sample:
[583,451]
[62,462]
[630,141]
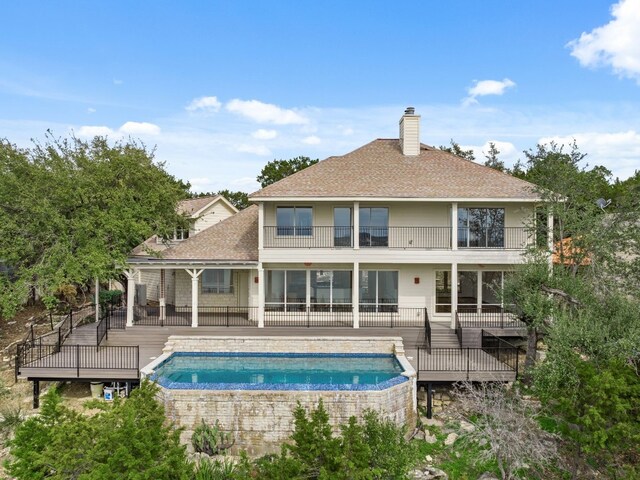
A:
[215,199]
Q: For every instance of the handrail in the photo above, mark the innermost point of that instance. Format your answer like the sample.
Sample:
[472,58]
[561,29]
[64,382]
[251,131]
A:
[458,329]
[466,360]
[502,350]
[427,330]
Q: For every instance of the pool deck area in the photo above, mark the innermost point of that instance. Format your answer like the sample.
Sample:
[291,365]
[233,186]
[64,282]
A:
[80,359]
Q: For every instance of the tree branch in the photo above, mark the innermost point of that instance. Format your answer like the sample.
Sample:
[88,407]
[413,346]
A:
[564,295]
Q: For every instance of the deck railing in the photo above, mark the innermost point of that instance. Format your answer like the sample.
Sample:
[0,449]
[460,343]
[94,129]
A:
[466,360]
[427,331]
[502,350]
[172,316]
[458,330]
[79,357]
[392,316]
[488,316]
[409,237]
[318,315]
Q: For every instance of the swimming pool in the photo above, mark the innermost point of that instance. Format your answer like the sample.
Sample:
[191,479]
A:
[279,371]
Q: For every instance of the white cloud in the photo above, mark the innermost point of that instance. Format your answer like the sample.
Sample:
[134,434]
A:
[265,112]
[347,131]
[312,140]
[91,110]
[90,131]
[207,104]
[508,151]
[616,44]
[618,151]
[139,128]
[117,81]
[487,87]
[262,134]
[254,149]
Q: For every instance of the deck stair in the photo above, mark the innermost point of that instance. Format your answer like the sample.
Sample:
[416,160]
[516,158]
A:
[442,336]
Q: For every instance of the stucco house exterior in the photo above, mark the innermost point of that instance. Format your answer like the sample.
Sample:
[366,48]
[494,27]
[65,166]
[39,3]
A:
[392,231]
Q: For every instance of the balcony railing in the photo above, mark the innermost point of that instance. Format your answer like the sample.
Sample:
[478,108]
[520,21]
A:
[405,238]
[222,316]
[509,238]
[488,316]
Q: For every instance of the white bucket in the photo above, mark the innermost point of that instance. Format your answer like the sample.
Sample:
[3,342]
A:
[96,389]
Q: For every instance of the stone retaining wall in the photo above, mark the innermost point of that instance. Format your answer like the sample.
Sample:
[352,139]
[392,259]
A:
[261,420]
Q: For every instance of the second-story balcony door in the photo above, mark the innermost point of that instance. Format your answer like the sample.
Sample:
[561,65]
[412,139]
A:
[374,227]
[342,227]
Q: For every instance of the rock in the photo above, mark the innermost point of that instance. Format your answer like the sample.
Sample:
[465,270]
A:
[428,459]
[466,426]
[451,438]
[420,435]
[430,438]
[432,422]
[435,473]
[488,476]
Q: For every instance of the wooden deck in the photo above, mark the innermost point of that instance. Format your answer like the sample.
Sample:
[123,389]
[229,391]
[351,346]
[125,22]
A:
[446,363]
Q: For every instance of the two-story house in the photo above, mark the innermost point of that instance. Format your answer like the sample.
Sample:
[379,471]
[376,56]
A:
[386,234]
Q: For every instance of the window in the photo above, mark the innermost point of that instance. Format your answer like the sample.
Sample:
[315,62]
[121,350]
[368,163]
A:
[181,233]
[492,285]
[374,227]
[467,291]
[342,227]
[294,221]
[378,291]
[217,281]
[443,292]
[331,290]
[286,290]
[481,227]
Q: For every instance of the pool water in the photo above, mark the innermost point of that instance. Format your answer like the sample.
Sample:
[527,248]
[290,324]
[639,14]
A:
[251,370]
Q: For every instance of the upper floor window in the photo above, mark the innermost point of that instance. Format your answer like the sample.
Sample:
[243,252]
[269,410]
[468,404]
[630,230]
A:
[374,227]
[342,225]
[181,233]
[217,281]
[481,227]
[294,221]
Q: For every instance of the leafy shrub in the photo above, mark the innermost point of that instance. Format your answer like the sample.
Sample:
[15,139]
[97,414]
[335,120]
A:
[10,418]
[127,439]
[211,439]
[111,297]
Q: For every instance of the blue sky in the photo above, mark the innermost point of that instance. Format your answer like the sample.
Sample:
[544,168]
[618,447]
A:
[221,88]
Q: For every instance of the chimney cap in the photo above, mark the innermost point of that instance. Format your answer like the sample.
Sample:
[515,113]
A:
[410,111]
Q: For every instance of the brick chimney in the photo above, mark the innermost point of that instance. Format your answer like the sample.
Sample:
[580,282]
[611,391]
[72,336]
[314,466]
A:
[410,132]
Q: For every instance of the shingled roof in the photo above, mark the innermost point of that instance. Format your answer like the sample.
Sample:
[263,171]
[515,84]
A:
[193,205]
[235,238]
[379,169]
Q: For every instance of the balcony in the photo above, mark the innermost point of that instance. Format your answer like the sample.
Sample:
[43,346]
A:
[402,238]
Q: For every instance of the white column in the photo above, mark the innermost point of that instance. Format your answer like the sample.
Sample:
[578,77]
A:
[355,294]
[195,275]
[261,287]
[162,299]
[97,300]
[260,225]
[356,225]
[131,295]
[454,293]
[454,226]
[550,239]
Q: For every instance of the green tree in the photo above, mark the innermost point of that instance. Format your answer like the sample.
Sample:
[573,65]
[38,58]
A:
[127,439]
[492,160]
[238,199]
[278,169]
[71,211]
[456,149]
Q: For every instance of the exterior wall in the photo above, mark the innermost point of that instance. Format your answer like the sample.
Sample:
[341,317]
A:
[261,419]
[151,278]
[239,297]
[212,215]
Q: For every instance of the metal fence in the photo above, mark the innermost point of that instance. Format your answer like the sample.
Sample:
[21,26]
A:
[392,316]
[502,350]
[309,316]
[488,316]
[79,358]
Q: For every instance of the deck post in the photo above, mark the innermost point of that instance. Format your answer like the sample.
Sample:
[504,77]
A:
[429,400]
[454,226]
[195,276]
[454,293]
[97,299]
[36,394]
[162,300]
[356,227]
[260,296]
[355,292]
[131,295]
